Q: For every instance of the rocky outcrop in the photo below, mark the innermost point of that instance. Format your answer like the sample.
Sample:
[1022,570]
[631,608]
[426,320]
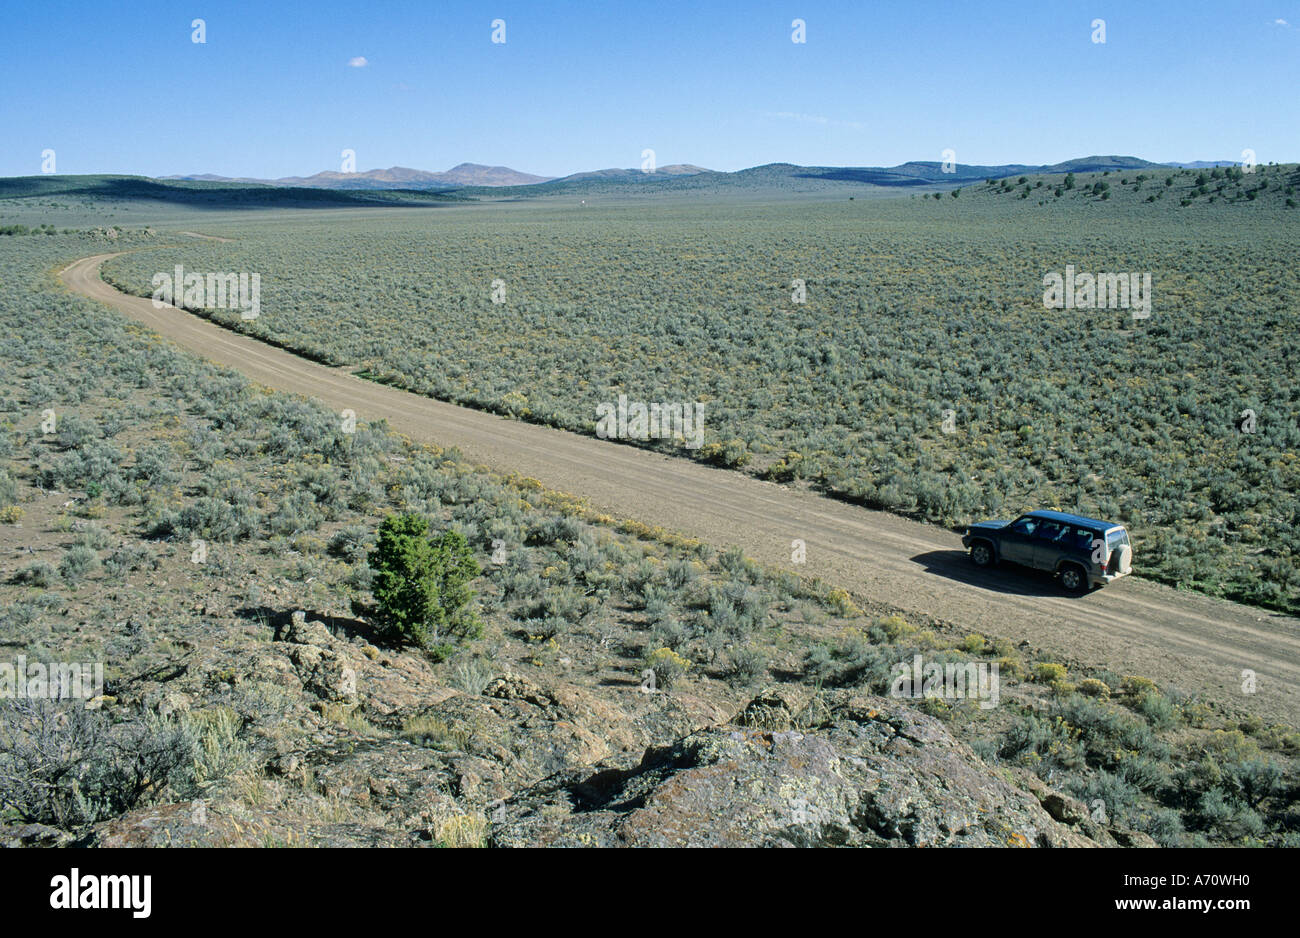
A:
[1093,824]
[870,773]
[528,762]
[322,661]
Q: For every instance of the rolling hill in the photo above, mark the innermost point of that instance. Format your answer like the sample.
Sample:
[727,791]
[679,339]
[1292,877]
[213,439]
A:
[791,178]
[227,194]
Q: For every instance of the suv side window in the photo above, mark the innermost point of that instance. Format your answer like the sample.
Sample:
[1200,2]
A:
[1025,526]
[1083,539]
[1049,530]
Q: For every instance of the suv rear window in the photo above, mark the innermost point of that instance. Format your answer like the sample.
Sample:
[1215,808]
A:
[1117,539]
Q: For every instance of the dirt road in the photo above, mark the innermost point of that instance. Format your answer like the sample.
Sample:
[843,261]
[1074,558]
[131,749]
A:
[1178,639]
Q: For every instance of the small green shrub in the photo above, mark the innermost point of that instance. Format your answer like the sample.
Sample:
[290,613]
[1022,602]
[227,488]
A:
[668,667]
[894,628]
[421,585]
[39,574]
[1092,687]
[1010,667]
[77,563]
[746,665]
[1135,687]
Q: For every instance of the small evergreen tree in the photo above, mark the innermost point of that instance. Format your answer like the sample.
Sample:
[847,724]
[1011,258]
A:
[421,584]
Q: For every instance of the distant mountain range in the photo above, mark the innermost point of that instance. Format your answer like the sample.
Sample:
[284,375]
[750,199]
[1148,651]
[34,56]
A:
[776,178]
[395,177]
[1203,164]
[463,175]
[470,182]
[675,169]
[478,176]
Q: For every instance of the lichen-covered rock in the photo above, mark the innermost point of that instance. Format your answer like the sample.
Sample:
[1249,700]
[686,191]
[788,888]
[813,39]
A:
[1061,807]
[34,835]
[875,774]
[302,632]
[339,746]
[516,687]
[322,662]
[194,824]
[1127,838]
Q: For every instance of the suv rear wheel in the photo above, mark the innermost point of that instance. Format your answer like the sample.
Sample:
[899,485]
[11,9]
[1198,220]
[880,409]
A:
[981,554]
[1073,578]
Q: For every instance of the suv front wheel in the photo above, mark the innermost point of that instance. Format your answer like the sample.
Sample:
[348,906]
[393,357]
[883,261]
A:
[1073,578]
[981,554]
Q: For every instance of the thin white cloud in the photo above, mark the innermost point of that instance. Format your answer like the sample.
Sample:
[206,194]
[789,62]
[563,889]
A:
[1283,23]
[358,62]
[813,119]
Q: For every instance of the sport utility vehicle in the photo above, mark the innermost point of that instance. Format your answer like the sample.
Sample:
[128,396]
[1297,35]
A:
[1083,552]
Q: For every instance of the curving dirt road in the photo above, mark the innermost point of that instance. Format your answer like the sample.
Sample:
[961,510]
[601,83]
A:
[1182,640]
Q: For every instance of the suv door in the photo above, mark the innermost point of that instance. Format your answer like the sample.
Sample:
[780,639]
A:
[1017,541]
[1048,546]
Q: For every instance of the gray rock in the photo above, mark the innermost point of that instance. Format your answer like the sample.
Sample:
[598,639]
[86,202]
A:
[877,774]
[302,632]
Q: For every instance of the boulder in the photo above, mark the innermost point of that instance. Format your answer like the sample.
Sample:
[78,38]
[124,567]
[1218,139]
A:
[302,632]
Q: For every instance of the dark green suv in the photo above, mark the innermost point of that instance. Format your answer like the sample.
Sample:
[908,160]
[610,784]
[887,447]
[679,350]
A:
[1082,552]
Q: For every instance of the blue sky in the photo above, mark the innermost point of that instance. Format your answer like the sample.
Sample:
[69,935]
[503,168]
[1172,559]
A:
[121,88]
